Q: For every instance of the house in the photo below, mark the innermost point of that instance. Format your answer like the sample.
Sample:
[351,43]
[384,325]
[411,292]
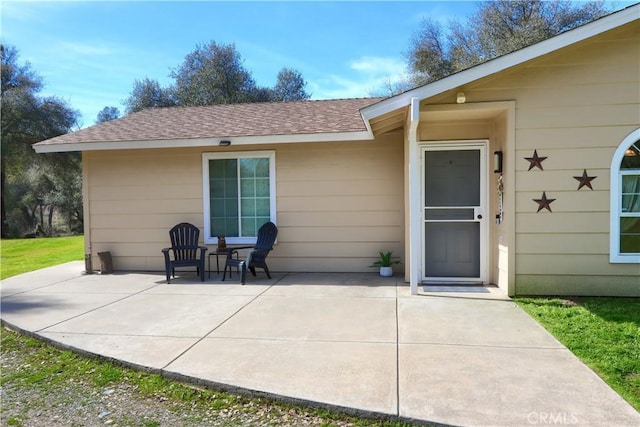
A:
[523,172]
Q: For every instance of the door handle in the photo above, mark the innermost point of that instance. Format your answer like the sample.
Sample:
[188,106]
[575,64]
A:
[478,211]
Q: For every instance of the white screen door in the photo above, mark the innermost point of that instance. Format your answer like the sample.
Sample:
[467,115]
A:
[454,199]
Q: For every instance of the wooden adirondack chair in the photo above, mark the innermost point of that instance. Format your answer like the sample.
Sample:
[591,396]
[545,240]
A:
[185,249]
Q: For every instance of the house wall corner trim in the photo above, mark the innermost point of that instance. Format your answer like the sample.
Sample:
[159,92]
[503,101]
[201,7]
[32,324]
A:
[414,196]
[86,205]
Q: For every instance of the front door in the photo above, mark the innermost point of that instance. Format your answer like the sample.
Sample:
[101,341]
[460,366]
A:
[454,212]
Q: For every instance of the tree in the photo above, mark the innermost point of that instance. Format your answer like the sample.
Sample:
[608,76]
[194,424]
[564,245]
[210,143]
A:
[429,54]
[495,29]
[290,86]
[393,87]
[65,193]
[148,93]
[26,118]
[107,114]
[260,94]
[213,74]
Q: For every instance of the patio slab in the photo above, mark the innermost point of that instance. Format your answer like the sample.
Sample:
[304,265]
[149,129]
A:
[339,285]
[358,375]
[40,278]
[469,321]
[125,284]
[153,352]
[472,385]
[314,318]
[35,311]
[209,288]
[456,356]
[169,315]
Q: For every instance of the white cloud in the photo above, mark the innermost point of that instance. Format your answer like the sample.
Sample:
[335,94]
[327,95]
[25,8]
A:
[86,49]
[93,74]
[376,65]
[20,12]
[363,77]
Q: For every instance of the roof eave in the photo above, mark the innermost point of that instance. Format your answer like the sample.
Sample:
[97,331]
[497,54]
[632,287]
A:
[203,142]
[560,41]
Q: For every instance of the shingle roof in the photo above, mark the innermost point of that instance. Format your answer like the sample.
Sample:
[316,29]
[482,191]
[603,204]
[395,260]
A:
[230,120]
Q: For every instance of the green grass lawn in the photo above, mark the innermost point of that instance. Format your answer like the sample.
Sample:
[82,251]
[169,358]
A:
[23,255]
[603,332]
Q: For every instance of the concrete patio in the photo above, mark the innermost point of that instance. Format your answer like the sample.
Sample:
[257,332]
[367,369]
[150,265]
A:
[457,356]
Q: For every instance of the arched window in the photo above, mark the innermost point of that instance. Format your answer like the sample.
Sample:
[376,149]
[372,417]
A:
[625,201]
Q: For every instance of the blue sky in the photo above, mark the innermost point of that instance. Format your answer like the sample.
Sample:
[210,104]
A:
[89,53]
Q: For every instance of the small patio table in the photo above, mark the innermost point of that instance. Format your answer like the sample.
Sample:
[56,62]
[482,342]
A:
[217,253]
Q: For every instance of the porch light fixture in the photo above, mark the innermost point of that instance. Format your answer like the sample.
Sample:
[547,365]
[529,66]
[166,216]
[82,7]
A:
[460,98]
[497,161]
[632,151]
[224,143]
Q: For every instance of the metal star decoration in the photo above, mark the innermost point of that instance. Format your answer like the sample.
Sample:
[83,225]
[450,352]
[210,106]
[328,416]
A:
[543,203]
[585,180]
[535,161]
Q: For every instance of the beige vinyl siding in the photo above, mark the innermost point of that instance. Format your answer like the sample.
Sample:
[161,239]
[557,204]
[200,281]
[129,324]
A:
[338,203]
[576,284]
[500,232]
[456,130]
[574,107]
[135,196]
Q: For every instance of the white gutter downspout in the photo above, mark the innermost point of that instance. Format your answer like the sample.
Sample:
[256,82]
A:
[415,240]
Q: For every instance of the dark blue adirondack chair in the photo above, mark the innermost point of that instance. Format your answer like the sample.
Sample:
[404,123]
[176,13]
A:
[185,249]
[257,256]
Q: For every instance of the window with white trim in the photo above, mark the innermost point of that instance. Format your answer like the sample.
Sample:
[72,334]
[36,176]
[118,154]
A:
[238,194]
[625,201]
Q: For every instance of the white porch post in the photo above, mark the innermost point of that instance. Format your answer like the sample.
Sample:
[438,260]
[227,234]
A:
[415,230]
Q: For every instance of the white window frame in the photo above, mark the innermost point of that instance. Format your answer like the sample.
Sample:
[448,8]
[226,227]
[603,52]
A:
[271,155]
[616,202]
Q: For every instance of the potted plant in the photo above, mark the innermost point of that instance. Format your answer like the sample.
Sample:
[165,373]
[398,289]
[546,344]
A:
[385,263]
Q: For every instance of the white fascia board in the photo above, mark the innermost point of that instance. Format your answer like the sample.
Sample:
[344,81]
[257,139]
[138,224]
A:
[204,142]
[493,66]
